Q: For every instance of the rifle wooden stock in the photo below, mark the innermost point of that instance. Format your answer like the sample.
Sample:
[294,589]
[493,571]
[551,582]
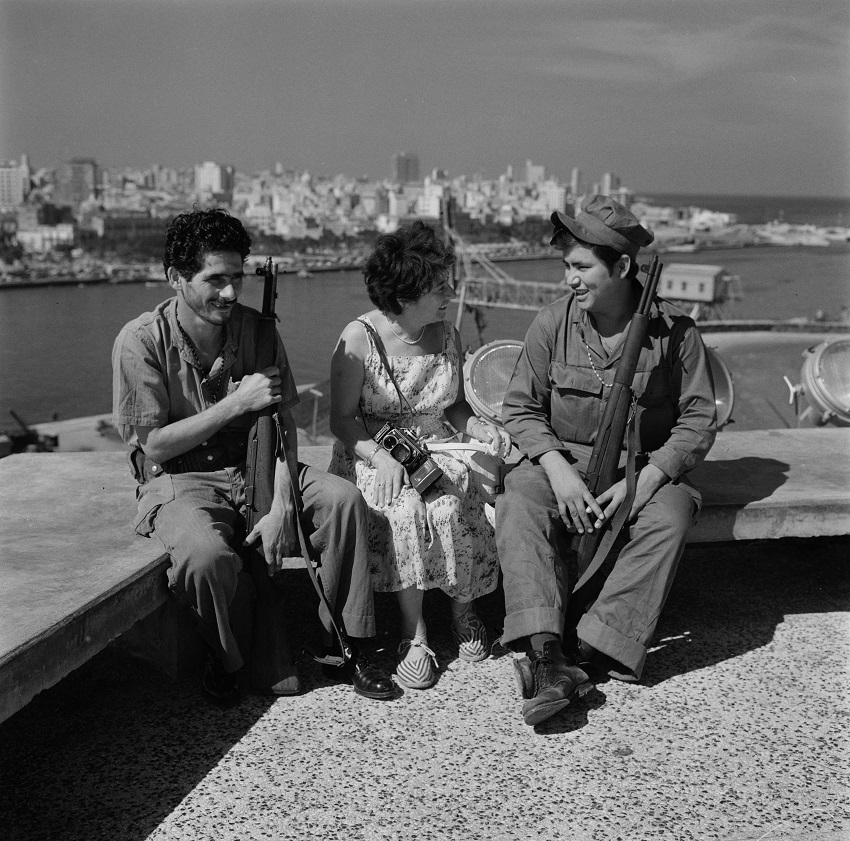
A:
[272,664]
[605,456]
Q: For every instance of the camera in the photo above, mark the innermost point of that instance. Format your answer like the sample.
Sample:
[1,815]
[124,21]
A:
[405,448]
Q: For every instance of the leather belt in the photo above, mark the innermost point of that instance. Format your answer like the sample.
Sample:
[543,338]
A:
[227,448]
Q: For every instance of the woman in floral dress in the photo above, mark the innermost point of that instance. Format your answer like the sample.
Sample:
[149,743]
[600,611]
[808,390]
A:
[440,538]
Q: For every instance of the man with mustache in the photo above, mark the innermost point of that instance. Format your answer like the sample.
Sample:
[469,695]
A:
[184,392]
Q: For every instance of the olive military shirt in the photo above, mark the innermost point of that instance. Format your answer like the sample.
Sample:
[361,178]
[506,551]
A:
[556,398]
[156,381]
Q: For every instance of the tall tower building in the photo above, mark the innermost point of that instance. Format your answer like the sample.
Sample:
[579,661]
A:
[406,167]
[11,184]
[77,181]
[610,184]
[575,182]
[534,173]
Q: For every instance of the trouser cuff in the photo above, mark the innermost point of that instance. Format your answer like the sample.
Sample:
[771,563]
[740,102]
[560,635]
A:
[532,620]
[608,641]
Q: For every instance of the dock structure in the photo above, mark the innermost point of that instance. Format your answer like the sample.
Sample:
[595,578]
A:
[707,292]
[484,284]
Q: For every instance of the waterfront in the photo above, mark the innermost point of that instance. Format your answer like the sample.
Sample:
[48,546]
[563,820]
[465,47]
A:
[55,342]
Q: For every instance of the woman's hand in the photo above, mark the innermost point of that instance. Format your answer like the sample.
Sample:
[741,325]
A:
[489,433]
[390,478]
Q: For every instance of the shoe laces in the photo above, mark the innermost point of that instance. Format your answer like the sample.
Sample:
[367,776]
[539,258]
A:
[416,642]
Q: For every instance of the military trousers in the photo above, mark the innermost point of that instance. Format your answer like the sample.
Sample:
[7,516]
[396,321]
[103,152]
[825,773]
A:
[534,553]
[195,517]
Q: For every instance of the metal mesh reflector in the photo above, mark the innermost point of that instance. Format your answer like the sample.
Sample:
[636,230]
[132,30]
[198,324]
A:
[826,377]
[487,374]
[724,388]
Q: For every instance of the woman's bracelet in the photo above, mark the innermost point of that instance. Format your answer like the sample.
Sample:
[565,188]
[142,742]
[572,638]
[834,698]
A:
[368,460]
[476,424]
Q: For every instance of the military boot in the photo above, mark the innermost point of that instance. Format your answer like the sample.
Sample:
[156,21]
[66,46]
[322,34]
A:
[550,680]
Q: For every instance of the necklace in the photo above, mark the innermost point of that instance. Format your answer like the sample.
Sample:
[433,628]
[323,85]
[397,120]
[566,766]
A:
[595,371]
[197,359]
[407,341]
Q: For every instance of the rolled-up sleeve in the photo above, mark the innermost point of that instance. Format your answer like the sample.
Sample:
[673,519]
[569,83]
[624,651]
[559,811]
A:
[526,409]
[693,434]
[139,391]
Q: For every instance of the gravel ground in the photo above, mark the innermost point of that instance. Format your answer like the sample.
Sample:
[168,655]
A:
[738,731]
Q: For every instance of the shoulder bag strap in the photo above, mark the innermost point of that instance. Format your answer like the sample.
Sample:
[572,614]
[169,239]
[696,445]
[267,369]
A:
[379,346]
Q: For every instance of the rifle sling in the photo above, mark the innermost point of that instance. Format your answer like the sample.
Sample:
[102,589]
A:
[619,519]
[307,553]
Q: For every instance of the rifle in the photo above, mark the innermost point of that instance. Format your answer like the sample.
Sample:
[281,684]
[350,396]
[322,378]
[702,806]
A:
[272,663]
[593,547]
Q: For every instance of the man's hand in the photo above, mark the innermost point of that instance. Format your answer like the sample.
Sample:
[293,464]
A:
[649,480]
[279,536]
[576,504]
[258,390]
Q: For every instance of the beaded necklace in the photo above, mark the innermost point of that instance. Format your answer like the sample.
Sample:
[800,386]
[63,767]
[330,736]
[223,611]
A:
[197,359]
[595,370]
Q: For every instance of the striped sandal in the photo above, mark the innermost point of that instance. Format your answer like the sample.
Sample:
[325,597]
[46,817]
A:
[418,671]
[470,635]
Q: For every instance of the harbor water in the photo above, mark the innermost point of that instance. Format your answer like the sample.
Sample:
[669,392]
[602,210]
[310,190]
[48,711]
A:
[56,341]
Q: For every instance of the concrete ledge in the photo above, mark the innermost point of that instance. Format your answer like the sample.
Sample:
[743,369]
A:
[769,484]
[75,576]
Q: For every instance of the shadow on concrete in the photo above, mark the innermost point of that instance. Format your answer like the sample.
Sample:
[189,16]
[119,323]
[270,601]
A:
[720,481]
[728,599]
[66,774]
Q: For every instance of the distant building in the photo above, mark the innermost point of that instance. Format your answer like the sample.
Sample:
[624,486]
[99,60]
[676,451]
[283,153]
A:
[534,173]
[44,238]
[77,181]
[576,186]
[406,167]
[11,184]
[610,184]
[212,179]
[128,224]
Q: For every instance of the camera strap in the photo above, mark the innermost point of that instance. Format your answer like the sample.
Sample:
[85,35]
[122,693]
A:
[379,346]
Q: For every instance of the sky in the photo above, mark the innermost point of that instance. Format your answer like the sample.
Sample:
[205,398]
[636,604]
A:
[681,96]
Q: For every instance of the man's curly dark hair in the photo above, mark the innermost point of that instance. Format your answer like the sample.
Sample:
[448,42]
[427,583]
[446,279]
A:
[405,265]
[191,236]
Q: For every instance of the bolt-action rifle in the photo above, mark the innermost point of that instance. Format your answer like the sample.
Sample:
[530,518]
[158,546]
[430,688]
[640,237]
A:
[593,547]
[272,659]
[272,664]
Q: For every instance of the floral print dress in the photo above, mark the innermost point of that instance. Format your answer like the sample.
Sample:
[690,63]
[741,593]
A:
[445,540]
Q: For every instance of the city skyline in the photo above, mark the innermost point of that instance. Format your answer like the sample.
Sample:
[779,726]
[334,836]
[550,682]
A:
[676,97]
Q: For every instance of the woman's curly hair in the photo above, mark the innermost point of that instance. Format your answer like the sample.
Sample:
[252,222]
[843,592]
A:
[405,265]
[191,236]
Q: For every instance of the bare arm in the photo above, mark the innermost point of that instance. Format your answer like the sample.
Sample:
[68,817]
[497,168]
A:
[348,372]
[255,392]
[463,419]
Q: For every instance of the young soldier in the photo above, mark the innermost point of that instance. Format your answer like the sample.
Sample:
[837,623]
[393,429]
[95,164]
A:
[552,409]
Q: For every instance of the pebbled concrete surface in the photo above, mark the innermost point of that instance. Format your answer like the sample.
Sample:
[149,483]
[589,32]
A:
[739,732]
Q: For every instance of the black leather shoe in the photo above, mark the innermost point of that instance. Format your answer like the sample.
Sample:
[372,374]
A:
[221,687]
[366,679]
[557,681]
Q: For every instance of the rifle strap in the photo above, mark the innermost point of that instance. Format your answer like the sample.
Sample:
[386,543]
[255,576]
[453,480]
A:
[619,519]
[308,553]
